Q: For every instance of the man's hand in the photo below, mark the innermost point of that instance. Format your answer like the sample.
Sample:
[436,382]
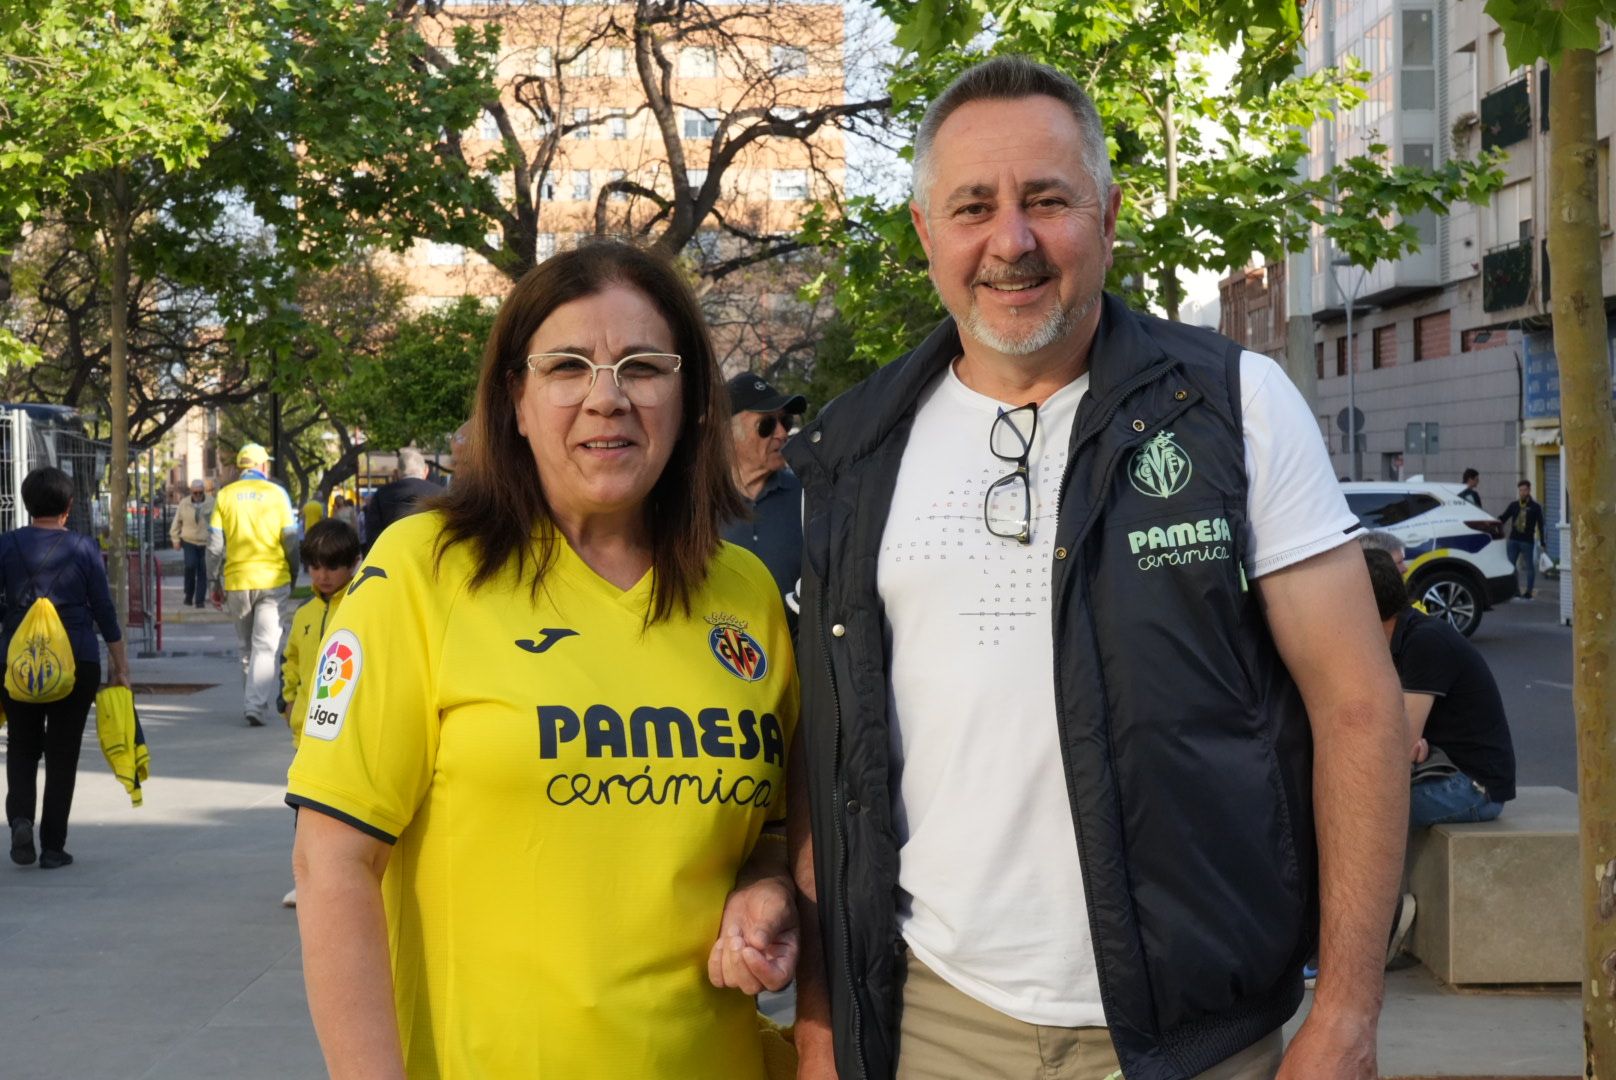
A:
[217,596]
[176,543]
[1331,1046]
[120,677]
[1421,751]
[757,941]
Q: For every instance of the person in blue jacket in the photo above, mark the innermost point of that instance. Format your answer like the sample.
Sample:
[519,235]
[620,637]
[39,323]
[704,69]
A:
[44,558]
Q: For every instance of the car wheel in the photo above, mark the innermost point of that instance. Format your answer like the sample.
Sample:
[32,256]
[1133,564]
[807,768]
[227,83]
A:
[1450,595]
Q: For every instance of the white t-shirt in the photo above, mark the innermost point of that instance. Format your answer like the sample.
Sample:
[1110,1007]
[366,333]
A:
[990,892]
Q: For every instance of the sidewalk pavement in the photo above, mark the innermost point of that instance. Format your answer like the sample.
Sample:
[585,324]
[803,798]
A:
[163,952]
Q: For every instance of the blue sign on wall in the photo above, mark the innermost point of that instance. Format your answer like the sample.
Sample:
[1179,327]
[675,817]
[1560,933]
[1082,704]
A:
[1540,396]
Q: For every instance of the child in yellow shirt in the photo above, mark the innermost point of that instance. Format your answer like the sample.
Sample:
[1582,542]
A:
[330,552]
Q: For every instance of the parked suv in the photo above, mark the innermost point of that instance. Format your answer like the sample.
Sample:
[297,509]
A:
[1455,553]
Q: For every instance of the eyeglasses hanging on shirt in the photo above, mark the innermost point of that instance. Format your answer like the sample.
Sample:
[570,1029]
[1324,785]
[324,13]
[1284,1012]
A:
[1007,508]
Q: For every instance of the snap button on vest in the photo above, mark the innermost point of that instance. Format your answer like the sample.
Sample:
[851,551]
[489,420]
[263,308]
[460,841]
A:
[813,436]
[1060,553]
[1180,395]
[853,806]
[838,630]
[1139,425]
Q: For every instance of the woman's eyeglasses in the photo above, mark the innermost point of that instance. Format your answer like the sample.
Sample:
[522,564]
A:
[1007,509]
[766,425]
[646,379]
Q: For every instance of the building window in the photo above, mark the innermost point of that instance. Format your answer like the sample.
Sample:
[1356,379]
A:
[445,254]
[1499,71]
[1512,214]
[1383,349]
[788,59]
[580,185]
[547,188]
[544,60]
[1431,335]
[1318,357]
[696,178]
[698,62]
[789,185]
[546,247]
[580,121]
[1340,356]
[1419,59]
[1477,340]
[617,124]
[616,62]
[615,175]
[578,66]
[698,125]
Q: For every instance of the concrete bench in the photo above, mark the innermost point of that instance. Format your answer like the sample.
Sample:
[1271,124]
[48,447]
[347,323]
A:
[1498,903]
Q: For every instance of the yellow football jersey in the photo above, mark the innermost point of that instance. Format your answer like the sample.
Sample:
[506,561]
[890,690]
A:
[571,795]
[253,514]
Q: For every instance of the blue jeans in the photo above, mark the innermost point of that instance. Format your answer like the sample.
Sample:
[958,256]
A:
[196,573]
[1516,549]
[1450,800]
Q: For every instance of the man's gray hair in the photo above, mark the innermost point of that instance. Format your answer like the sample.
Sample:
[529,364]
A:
[1007,78]
[1381,540]
[411,462]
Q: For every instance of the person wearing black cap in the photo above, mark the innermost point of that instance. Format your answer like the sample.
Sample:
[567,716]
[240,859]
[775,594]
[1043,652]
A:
[760,420]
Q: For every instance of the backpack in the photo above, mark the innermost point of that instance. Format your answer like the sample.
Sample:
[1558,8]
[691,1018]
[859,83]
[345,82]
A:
[39,660]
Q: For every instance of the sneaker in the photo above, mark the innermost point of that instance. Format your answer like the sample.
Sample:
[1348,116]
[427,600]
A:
[22,842]
[1402,923]
[290,899]
[52,860]
[1310,974]
[253,721]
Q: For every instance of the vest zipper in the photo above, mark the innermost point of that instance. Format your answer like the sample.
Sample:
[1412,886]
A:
[1060,707]
[840,891]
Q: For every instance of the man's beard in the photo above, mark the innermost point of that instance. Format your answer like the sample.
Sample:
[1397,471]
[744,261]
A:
[1054,326]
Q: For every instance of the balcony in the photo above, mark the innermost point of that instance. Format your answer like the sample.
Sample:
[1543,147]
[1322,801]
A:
[1506,276]
[1506,114]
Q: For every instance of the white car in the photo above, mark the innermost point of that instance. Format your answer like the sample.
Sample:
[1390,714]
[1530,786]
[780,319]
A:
[1456,565]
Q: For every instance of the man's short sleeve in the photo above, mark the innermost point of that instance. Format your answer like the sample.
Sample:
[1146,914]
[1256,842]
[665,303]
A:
[1425,664]
[370,734]
[1294,505]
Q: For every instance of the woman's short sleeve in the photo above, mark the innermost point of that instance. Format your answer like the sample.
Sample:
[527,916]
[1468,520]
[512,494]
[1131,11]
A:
[370,735]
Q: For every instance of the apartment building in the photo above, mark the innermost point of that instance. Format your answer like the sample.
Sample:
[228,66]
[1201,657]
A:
[604,131]
[1451,352]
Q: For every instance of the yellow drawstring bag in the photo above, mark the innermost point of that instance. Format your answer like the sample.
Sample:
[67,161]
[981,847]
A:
[39,660]
[123,743]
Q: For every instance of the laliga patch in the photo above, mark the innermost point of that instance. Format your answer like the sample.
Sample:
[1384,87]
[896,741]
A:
[334,679]
[735,649]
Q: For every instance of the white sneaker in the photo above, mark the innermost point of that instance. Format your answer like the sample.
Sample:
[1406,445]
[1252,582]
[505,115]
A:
[290,899]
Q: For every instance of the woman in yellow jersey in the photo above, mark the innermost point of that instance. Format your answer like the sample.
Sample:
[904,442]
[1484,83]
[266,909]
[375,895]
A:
[548,728]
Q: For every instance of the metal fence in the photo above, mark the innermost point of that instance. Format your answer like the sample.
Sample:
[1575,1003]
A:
[31,437]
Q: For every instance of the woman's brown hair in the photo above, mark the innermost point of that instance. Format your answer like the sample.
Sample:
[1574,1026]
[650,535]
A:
[497,504]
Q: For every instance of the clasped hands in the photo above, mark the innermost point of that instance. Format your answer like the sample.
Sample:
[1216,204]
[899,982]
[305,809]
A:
[757,941]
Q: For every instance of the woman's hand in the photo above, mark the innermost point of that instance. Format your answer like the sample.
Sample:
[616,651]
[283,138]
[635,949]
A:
[757,941]
[120,677]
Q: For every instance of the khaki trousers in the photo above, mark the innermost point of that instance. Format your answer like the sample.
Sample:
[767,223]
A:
[948,1035]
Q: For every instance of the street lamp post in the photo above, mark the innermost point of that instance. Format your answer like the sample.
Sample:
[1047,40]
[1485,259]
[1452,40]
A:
[1352,368]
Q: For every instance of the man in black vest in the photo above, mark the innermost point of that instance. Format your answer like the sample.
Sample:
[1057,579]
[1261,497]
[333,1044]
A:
[1069,575]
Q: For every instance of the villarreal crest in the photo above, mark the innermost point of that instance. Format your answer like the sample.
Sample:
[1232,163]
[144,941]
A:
[737,650]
